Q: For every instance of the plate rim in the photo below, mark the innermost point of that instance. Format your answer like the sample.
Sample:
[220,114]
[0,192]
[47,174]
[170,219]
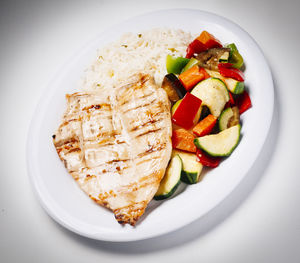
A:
[59,75]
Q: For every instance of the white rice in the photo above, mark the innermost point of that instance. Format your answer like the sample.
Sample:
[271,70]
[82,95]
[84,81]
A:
[135,52]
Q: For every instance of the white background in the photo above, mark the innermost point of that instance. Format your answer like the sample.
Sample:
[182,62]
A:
[258,222]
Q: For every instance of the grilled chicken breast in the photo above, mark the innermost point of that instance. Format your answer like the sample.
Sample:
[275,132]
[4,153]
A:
[116,143]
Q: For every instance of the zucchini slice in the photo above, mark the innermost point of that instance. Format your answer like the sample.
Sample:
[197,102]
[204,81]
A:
[191,168]
[228,118]
[190,64]
[220,144]
[235,86]
[224,57]
[171,180]
[213,93]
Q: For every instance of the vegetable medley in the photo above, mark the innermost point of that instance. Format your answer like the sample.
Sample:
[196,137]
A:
[208,95]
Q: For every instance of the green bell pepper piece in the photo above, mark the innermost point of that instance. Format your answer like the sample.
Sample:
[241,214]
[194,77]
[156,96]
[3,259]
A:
[175,64]
[235,57]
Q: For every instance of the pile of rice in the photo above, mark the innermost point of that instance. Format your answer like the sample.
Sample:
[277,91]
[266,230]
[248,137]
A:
[135,52]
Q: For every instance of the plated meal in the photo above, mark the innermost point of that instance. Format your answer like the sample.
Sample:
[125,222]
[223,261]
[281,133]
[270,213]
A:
[155,108]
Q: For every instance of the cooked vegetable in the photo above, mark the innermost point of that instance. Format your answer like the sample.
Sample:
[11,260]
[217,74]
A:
[228,118]
[175,106]
[188,111]
[205,126]
[171,179]
[221,144]
[224,58]
[234,86]
[209,40]
[191,169]
[183,140]
[226,70]
[243,102]
[217,94]
[175,64]
[210,58]
[195,47]
[213,93]
[232,47]
[192,76]
[204,112]
[173,87]
[235,57]
[215,74]
[192,62]
[230,102]
[207,160]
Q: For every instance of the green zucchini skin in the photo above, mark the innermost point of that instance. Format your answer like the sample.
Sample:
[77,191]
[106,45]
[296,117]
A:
[189,178]
[234,86]
[224,118]
[239,88]
[191,168]
[165,196]
[200,145]
[173,172]
[228,118]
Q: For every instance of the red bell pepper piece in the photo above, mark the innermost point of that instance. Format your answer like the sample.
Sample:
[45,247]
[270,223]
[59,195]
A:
[209,40]
[231,102]
[192,76]
[205,126]
[183,140]
[187,112]
[195,47]
[226,70]
[243,102]
[207,160]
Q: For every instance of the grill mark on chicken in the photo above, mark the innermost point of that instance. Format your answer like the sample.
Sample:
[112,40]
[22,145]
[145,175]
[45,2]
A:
[117,161]
[144,96]
[66,142]
[74,150]
[140,106]
[148,132]
[104,151]
[103,106]
[139,84]
[147,160]
[107,135]
[152,149]
[150,122]
[107,142]
[117,169]
[150,115]
[89,177]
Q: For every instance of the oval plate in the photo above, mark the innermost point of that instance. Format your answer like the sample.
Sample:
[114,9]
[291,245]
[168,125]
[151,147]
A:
[66,202]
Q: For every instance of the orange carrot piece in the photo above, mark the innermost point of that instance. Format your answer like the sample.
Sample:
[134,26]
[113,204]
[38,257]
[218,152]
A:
[205,126]
[209,40]
[183,140]
[192,76]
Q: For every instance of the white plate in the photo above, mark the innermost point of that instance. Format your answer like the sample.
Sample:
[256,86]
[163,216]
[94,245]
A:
[69,206]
